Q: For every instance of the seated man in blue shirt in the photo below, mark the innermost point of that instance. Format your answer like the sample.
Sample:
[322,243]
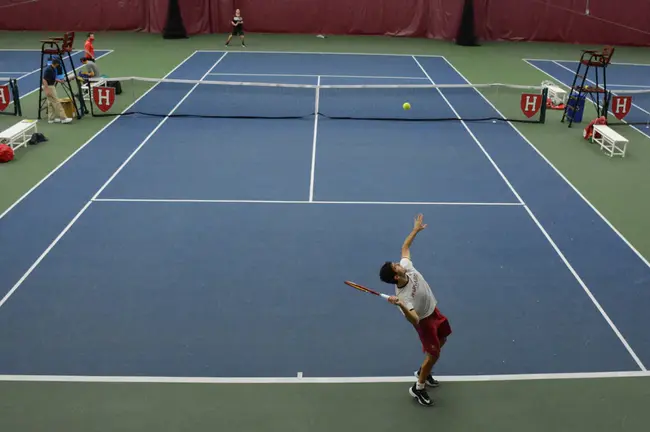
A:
[55,112]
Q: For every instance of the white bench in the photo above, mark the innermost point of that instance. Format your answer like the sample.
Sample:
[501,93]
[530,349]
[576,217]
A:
[555,94]
[19,134]
[85,90]
[610,141]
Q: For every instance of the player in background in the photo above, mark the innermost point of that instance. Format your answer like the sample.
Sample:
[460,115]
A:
[418,304]
[237,28]
[89,47]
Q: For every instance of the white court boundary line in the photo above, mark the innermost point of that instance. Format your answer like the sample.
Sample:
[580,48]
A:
[312,173]
[19,200]
[321,53]
[85,207]
[301,379]
[575,61]
[543,230]
[225,201]
[635,127]
[315,76]
[639,87]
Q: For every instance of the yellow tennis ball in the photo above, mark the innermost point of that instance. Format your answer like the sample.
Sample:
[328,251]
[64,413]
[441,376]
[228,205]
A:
[406,106]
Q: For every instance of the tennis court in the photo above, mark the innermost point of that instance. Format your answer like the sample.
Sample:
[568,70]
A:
[217,248]
[188,271]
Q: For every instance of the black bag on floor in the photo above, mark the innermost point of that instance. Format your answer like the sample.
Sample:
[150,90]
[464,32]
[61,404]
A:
[115,84]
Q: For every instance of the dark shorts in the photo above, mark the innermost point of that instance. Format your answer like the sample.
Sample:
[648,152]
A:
[433,331]
[238,31]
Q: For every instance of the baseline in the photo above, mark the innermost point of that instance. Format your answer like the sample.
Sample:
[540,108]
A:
[301,379]
[215,201]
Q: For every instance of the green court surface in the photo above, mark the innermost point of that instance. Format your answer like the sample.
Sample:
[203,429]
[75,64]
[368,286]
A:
[618,189]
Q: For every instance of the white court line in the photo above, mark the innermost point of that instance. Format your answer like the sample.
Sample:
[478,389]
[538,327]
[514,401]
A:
[20,49]
[322,76]
[543,230]
[313,150]
[575,61]
[321,53]
[85,207]
[90,140]
[316,380]
[635,127]
[216,201]
[594,82]
[640,87]
[12,73]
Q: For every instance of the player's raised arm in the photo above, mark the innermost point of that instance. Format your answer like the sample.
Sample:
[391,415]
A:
[417,227]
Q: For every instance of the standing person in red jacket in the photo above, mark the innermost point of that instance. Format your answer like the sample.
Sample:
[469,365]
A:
[89,48]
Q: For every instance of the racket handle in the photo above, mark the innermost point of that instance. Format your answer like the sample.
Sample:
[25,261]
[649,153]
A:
[384,296]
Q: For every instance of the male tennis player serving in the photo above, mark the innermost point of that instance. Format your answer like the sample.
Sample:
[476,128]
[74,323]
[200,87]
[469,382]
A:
[418,304]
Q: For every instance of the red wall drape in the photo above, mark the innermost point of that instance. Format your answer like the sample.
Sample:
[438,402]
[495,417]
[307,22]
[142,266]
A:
[608,22]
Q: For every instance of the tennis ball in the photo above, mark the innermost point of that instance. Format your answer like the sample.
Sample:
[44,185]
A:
[406,106]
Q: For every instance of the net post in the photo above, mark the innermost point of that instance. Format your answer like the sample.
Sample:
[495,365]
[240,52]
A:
[606,101]
[542,115]
[90,97]
[13,85]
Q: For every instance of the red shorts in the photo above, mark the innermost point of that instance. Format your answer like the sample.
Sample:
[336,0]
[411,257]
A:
[433,331]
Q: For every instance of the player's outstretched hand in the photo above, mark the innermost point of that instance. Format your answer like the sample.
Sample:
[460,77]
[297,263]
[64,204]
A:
[394,300]
[418,225]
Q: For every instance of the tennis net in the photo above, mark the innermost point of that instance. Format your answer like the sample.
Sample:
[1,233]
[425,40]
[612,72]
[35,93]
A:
[229,99]
[9,97]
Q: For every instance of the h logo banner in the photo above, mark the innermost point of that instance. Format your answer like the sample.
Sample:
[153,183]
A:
[530,104]
[4,97]
[621,106]
[104,97]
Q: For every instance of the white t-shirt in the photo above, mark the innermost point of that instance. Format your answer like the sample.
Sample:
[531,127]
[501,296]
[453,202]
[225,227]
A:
[416,294]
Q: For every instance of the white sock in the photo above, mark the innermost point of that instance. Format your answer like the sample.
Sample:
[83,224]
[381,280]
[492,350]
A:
[419,386]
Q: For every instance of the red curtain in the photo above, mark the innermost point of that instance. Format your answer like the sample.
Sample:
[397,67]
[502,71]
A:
[608,22]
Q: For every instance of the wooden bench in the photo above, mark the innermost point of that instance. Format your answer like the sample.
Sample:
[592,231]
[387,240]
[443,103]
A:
[19,134]
[610,141]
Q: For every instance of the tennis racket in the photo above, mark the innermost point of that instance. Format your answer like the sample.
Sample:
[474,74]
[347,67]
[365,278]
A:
[364,289]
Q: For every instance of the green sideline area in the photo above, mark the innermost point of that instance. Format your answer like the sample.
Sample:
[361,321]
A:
[617,187]
[594,405]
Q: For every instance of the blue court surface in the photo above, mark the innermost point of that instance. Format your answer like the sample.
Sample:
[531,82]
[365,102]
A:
[194,247]
[24,66]
[625,79]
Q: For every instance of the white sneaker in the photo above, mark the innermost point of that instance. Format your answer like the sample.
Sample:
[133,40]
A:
[57,120]
[66,120]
